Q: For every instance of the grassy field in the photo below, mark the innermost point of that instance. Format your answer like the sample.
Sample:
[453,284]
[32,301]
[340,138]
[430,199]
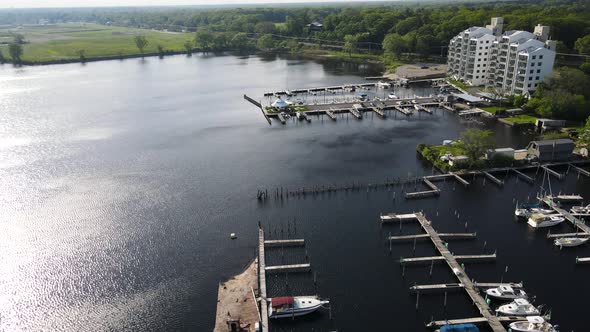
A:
[63,41]
[494,109]
[522,119]
[457,83]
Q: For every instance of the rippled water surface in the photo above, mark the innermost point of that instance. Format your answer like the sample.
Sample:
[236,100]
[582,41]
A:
[121,180]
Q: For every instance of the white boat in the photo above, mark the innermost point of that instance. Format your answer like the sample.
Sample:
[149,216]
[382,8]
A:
[392,96]
[532,324]
[293,306]
[525,213]
[384,85]
[570,241]
[518,307]
[581,209]
[505,292]
[539,220]
[299,116]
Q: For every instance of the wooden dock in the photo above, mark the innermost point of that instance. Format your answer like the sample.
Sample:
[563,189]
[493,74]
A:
[442,259]
[393,217]
[554,173]
[523,176]
[461,276]
[460,179]
[403,110]
[446,236]
[421,108]
[582,260]
[262,281]
[356,113]
[442,288]
[477,321]
[580,170]
[493,178]
[560,235]
[285,243]
[259,105]
[288,268]
[568,216]
[331,114]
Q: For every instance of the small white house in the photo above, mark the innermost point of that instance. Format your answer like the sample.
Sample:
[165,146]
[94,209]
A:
[280,104]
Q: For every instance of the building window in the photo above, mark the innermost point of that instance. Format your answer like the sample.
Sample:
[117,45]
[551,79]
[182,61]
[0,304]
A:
[532,71]
[477,71]
[532,64]
[538,71]
[529,85]
[486,53]
[539,64]
[540,57]
[481,48]
[484,64]
[530,78]
[534,57]
[479,53]
[478,65]
[487,41]
[537,78]
[476,76]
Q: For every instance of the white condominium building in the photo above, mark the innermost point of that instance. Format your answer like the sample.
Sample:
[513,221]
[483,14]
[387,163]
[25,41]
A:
[514,62]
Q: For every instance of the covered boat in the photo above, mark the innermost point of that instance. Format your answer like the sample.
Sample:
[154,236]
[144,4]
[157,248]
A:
[518,307]
[532,324]
[459,328]
[570,241]
[505,292]
[293,306]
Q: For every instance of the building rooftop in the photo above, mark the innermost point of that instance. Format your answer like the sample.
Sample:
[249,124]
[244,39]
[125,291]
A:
[554,141]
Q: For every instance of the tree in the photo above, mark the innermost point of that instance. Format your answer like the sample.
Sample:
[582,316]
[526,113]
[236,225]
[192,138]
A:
[241,43]
[476,142]
[188,46]
[265,42]
[583,44]
[19,39]
[16,52]
[351,44]
[160,49]
[2,59]
[204,39]
[141,42]
[584,135]
[82,55]
[394,45]
[265,27]
[585,67]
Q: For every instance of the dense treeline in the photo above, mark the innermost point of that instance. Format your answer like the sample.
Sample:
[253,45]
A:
[419,28]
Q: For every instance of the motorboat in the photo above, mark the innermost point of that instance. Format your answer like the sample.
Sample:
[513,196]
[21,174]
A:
[539,220]
[293,306]
[518,307]
[581,209]
[570,241]
[392,96]
[505,292]
[532,324]
[299,116]
[527,212]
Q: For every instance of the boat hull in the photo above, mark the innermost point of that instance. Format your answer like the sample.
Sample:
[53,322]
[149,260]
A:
[295,312]
[545,223]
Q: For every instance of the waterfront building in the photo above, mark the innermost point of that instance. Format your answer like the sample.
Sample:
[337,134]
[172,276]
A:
[550,150]
[513,62]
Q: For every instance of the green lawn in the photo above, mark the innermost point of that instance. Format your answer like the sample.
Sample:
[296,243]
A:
[62,41]
[522,118]
[457,83]
[494,109]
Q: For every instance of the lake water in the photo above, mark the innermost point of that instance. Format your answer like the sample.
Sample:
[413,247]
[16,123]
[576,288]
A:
[122,180]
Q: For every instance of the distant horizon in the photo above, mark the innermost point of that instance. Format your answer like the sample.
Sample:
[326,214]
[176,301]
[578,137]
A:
[31,4]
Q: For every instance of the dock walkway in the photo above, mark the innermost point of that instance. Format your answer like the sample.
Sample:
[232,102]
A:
[262,281]
[568,216]
[460,274]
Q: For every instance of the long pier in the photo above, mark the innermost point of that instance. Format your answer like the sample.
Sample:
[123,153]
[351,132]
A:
[288,268]
[441,259]
[460,274]
[262,281]
[477,320]
[446,236]
[458,286]
[493,178]
[552,172]
[523,176]
[579,170]
[285,243]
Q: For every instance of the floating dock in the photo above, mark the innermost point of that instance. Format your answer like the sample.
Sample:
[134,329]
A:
[460,179]
[262,282]
[579,170]
[494,179]
[523,176]
[442,288]
[582,260]
[442,259]
[568,216]
[552,172]
[288,268]
[476,321]
[285,243]
[446,236]
[331,114]
[469,286]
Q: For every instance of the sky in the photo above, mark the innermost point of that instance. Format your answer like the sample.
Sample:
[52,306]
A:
[111,3]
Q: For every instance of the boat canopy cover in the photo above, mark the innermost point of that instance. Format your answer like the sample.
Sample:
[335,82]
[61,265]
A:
[280,301]
[459,328]
[530,206]
[535,319]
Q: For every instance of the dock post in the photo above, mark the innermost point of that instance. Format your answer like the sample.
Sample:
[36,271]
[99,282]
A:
[389,242]
[414,244]
[431,266]
[417,300]
[445,301]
